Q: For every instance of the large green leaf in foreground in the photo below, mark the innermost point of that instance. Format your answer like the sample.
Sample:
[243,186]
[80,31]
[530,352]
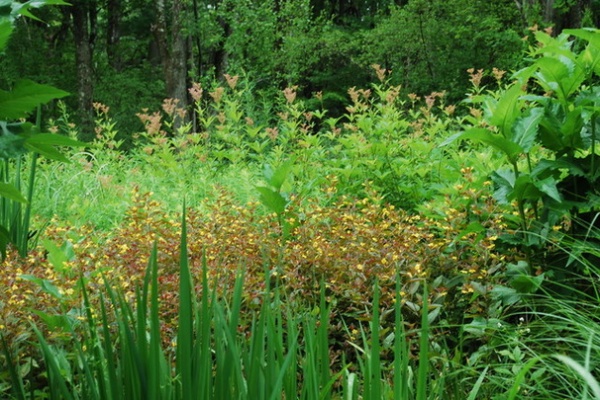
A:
[26,96]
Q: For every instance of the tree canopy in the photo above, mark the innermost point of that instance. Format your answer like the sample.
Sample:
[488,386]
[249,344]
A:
[131,54]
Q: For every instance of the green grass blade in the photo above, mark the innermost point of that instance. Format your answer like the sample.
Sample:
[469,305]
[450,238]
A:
[291,333]
[349,383]
[375,389]
[229,379]
[520,378]
[400,348]
[423,348]
[155,374]
[278,384]
[326,389]
[236,303]
[586,375]
[311,362]
[256,372]
[202,354]
[58,385]
[22,244]
[114,379]
[17,382]
[475,390]
[185,331]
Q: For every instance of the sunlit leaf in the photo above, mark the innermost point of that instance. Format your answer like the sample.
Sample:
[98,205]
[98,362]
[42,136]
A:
[6,29]
[509,148]
[277,177]
[10,192]
[526,129]
[46,151]
[507,110]
[44,284]
[52,139]
[504,180]
[25,97]
[272,199]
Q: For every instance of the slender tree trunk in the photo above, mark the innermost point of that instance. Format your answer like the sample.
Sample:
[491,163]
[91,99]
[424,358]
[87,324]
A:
[83,57]
[178,63]
[549,10]
[198,66]
[113,34]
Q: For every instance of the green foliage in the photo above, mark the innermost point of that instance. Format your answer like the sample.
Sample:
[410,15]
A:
[549,141]
[321,257]
[18,138]
[425,43]
[277,200]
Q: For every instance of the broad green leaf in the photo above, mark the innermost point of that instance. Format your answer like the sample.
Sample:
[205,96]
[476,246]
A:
[11,146]
[507,110]
[525,189]
[524,74]
[58,256]
[25,97]
[23,9]
[546,168]
[548,187]
[544,39]
[591,35]
[52,139]
[526,129]
[41,3]
[504,180]
[509,148]
[550,128]
[526,283]
[451,139]
[277,178]
[590,58]
[54,322]
[272,199]
[561,75]
[10,192]
[6,29]
[521,279]
[46,151]
[44,284]
[571,128]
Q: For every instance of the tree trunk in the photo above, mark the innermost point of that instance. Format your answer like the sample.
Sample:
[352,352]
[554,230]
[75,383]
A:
[80,13]
[549,10]
[173,47]
[113,34]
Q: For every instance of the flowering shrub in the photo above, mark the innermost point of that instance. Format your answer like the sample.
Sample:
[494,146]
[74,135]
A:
[346,245]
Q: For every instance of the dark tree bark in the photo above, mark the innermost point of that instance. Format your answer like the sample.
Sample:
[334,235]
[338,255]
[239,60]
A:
[83,24]
[173,48]
[199,70]
[113,34]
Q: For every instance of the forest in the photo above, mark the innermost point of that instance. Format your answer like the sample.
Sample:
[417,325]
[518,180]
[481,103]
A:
[299,199]
[131,55]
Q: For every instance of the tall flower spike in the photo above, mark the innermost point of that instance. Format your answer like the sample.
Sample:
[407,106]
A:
[290,93]
[196,91]
[381,72]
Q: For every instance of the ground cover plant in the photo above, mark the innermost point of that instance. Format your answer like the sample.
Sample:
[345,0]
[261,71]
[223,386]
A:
[374,255]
